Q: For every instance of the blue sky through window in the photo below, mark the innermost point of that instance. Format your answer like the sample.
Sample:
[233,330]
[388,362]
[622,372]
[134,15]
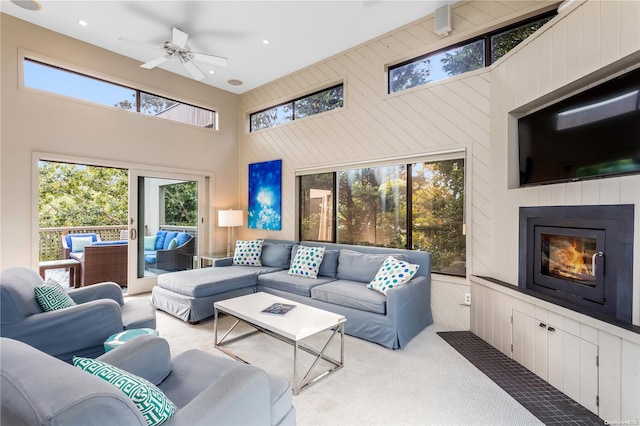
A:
[43,77]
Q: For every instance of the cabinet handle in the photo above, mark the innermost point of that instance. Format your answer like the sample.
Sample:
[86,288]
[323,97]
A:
[543,325]
[551,329]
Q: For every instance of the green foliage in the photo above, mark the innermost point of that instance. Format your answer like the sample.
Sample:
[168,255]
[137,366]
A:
[410,75]
[181,204]
[149,104]
[74,195]
[466,58]
[314,215]
[320,102]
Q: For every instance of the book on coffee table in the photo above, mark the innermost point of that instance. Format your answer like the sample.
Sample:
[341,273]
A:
[278,308]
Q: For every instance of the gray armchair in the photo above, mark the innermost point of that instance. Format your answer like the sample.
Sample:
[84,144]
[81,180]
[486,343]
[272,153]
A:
[78,330]
[206,389]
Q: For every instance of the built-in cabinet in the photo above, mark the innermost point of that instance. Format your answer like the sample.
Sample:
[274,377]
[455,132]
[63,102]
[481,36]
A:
[565,360]
[594,362]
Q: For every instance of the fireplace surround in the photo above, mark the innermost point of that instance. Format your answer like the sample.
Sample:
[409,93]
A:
[580,257]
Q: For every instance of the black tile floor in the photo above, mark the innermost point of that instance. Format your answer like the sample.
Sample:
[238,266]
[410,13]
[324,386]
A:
[547,403]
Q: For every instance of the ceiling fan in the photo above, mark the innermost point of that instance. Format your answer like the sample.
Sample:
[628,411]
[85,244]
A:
[179,50]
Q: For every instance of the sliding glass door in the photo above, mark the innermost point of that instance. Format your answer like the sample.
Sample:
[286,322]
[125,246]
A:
[166,225]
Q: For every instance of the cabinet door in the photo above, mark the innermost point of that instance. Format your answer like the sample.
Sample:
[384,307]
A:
[556,357]
[529,341]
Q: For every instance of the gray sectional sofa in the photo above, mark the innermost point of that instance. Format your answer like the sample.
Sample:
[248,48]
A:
[391,320]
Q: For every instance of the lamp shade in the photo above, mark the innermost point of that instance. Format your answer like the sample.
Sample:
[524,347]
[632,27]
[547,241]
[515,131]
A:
[230,218]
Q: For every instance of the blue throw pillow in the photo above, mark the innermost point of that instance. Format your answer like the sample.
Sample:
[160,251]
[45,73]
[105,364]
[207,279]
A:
[160,237]
[167,240]
[150,242]
[182,238]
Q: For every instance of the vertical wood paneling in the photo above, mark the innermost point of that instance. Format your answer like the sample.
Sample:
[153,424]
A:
[629,28]
[630,389]
[609,376]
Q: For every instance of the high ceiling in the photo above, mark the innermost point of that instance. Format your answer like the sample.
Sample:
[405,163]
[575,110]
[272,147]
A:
[300,33]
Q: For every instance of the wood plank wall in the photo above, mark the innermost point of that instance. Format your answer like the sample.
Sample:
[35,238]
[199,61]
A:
[454,114]
[587,43]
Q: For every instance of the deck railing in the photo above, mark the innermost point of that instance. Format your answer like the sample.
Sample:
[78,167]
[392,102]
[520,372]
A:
[50,242]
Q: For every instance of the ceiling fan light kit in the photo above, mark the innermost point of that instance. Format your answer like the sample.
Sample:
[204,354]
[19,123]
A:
[177,49]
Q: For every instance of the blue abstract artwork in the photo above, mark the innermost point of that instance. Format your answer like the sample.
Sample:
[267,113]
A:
[265,195]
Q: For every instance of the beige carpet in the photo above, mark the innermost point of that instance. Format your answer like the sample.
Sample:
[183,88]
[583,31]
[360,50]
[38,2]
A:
[426,383]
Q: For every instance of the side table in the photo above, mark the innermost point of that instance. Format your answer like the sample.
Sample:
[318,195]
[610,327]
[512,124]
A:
[71,264]
[210,258]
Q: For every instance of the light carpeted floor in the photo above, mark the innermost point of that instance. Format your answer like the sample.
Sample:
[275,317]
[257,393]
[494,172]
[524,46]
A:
[426,383]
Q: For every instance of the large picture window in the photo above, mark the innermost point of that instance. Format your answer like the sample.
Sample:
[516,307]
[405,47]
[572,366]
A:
[418,206]
[463,57]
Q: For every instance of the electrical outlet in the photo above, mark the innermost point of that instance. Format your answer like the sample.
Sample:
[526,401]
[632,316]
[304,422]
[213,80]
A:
[467,298]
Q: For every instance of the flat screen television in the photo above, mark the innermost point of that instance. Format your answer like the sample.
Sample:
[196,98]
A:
[592,134]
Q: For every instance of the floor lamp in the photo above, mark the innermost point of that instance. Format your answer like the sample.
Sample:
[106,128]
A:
[230,219]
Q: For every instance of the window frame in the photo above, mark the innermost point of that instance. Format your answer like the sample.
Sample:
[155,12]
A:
[486,37]
[136,92]
[409,162]
[292,102]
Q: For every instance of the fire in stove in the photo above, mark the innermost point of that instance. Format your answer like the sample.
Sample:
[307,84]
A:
[569,258]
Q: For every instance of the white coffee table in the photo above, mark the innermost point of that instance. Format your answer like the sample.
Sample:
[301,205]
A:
[296,325]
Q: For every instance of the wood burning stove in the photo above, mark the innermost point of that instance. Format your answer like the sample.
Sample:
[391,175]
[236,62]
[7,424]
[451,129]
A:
[580,256]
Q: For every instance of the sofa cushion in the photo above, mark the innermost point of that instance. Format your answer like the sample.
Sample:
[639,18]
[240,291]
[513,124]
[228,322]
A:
[160,237]
[306,262]
[362,267]
[173,244]
[209,281]
[182,238]
[168,238]
[351,294]
[51,296]
[247,253]
[150,242]
[276,255]
[291,283]
[392,273]
[79,243]
[155,407]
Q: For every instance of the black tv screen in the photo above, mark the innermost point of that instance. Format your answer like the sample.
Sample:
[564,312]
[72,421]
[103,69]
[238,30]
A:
[592,134]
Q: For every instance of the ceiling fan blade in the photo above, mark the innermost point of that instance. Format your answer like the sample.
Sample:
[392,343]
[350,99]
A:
[154,63]
[194,71]
[179,38]
[211,59]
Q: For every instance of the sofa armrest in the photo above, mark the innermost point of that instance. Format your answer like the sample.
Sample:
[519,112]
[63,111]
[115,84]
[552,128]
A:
[106,290]
[71,329]
[410,301]
[223,261]
[226,401]
[146,356]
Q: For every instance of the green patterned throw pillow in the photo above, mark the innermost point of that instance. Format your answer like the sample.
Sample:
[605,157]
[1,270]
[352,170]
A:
[307,262]
[392,273]
[51,296]
[248,253]
[154,405]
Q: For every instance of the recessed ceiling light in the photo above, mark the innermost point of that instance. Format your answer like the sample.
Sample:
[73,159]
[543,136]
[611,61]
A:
[235,82]
[82,22]
[212,72]
[265,41]
[27,4]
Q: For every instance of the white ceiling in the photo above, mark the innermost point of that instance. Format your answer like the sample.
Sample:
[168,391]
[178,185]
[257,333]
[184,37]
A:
[301,33]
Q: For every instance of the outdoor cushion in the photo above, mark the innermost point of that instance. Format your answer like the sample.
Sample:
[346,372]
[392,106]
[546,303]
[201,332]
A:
[150,242]
[94,238]
[351,294]
[79,243]
[167,239]
[160,237]
[276,255]
[110,243]
[172,244]
[291,283]
[362,267]
[182,238]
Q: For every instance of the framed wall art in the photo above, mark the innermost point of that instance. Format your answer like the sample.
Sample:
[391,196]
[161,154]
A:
[265,195]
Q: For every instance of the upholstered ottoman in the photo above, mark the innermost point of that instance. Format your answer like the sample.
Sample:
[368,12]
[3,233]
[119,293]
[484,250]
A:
[123,337]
